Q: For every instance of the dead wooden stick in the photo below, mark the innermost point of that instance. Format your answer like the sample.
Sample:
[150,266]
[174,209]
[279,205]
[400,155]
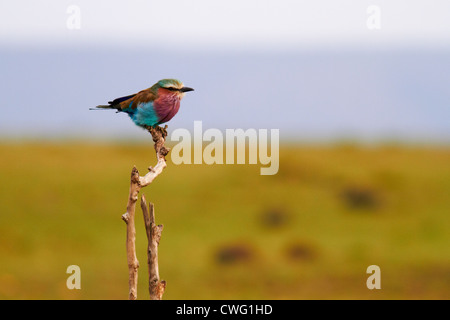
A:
[137,182]
[128,217]
[159,138]
[155,286]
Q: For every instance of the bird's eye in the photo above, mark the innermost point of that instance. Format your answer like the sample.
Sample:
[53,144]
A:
[172,89]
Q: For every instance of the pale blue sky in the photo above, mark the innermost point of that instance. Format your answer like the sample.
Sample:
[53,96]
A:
[310,68]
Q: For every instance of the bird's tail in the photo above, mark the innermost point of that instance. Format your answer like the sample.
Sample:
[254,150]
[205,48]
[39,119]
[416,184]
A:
[115,104]
[103,107]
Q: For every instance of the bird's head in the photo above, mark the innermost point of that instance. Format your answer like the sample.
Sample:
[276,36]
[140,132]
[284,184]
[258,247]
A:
[171,86]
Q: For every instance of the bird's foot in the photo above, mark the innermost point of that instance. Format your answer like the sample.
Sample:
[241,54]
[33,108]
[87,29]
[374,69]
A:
[148,128]
[158,130]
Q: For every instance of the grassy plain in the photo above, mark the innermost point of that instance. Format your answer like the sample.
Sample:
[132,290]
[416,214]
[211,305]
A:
[308,232]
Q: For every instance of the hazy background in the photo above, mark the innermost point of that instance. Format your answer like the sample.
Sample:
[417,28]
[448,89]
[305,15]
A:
[313,70]
[364,123]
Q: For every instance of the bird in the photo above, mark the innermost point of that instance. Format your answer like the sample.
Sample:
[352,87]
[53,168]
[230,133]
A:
[152,106]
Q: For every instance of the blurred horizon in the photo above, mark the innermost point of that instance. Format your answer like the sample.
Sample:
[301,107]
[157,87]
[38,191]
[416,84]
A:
[316,71]
[310,95]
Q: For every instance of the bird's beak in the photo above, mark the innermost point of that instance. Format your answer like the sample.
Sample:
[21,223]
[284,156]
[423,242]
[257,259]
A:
[186,89]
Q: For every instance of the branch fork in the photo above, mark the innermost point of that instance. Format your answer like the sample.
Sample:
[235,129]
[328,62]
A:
[156,287]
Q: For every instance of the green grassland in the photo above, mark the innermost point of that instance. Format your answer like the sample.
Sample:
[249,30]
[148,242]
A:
[308,232]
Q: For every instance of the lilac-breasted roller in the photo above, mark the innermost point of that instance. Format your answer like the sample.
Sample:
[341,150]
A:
[153,106]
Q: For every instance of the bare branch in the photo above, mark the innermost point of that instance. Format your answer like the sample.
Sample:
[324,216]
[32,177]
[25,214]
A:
[128,217]
[159,137]
[156,287]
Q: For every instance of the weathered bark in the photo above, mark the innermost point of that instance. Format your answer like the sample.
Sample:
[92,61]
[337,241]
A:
[128,217]
[137,182]
[155,286]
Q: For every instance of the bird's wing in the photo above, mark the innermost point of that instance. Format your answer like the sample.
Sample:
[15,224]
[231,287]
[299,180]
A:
[119,100]
[134,100]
